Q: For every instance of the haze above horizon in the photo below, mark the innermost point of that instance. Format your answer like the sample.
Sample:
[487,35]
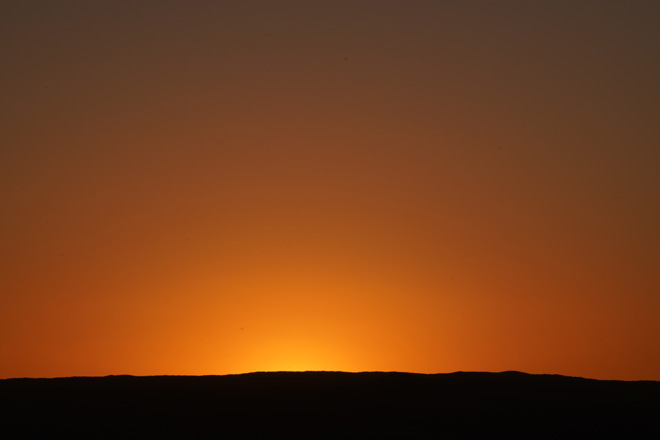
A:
[200,187]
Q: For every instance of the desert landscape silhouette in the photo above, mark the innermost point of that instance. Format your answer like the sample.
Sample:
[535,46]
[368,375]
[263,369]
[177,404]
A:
[323,404]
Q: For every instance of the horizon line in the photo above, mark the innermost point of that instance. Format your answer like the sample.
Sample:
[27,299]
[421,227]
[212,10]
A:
[325,371]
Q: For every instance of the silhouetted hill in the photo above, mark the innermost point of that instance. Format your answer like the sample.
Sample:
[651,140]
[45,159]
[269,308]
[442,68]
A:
[332,405]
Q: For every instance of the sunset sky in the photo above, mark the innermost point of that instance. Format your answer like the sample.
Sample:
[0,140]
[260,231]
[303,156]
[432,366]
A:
[213,187]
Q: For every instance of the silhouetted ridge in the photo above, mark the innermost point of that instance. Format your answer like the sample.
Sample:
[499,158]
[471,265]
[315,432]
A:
[331,404]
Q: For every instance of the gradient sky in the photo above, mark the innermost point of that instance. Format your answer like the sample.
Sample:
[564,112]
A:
[212,187]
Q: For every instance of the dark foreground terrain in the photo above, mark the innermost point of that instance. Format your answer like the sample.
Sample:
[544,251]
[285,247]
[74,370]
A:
[331,405]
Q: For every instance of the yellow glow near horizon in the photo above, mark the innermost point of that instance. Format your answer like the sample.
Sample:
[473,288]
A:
[296,355]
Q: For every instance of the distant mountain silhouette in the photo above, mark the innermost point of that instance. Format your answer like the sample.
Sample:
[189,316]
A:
[331,405]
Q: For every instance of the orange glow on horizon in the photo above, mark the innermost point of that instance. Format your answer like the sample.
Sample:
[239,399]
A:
[213,188]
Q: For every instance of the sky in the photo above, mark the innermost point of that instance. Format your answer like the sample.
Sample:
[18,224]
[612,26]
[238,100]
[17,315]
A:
[216,187]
